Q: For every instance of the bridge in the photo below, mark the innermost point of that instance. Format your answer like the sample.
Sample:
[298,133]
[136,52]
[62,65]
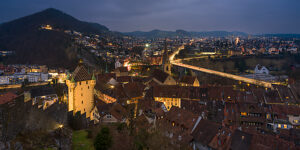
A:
[218,73]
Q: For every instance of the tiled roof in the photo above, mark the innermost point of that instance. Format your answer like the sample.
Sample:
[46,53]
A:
[285,109]
[160,75]
[240,140]
[118,111]
[7,97]
[269,142]
[81,73]
[174,91]
[134,89]
[182,117]
[105,77]
[187,79]
[205,131]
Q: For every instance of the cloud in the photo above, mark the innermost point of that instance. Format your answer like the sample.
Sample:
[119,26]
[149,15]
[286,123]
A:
[253,16]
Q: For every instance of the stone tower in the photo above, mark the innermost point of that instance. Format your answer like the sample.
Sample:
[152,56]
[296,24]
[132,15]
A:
[81,90]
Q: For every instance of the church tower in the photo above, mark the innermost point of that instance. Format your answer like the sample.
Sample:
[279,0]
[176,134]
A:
[81,90]
[166,62]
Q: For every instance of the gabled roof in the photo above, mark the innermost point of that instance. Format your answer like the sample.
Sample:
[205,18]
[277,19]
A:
[115,109]
[160,75]
[81,73]
[187,79]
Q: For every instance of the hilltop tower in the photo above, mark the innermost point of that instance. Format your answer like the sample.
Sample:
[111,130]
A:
[166,62]
[81,90]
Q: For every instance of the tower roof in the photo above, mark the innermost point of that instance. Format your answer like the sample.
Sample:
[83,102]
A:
[81,73]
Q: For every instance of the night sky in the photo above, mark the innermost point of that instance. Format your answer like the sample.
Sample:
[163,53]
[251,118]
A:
[251,16]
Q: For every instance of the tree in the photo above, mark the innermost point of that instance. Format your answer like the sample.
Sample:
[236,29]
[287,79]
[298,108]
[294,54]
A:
[103,140]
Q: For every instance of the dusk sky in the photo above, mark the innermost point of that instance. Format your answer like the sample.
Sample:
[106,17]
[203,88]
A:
[251,16]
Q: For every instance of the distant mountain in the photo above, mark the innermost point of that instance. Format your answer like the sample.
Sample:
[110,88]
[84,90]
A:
[280,35]
[182,33]
[50,47]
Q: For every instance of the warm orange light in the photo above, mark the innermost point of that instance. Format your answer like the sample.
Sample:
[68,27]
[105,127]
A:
[243,114]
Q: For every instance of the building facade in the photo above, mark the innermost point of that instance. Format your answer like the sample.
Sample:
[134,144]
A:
[81,90]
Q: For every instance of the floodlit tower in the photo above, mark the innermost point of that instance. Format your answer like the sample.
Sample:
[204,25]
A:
[81,90]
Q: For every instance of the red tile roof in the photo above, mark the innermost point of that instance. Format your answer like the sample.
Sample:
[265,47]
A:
[205,131]
[7,97]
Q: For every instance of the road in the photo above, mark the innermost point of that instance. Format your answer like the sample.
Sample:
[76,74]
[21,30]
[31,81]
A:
[222,74]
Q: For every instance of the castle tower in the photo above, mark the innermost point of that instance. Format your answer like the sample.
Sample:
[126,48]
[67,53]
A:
[166,62]
[81,90]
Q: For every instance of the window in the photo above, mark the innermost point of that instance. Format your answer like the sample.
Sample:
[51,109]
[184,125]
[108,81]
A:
[243,114]
[84,109]
[108,116]
[79,83]
[285,126]
[295,121]
[87,82]
[81,102]
[88,87]
[279,125]
[81,94]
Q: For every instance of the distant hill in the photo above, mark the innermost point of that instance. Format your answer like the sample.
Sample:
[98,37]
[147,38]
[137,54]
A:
[182,33]
[281,35]
[34,46]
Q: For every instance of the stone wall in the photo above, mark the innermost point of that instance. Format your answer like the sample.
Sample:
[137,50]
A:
[23,116]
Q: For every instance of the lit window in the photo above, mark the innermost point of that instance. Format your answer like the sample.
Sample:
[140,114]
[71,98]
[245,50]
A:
[296,121]
[279,125]
[243,114]
[285,126]
[173,124]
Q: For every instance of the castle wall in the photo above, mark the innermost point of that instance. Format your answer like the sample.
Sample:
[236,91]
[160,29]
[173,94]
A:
[84,97]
